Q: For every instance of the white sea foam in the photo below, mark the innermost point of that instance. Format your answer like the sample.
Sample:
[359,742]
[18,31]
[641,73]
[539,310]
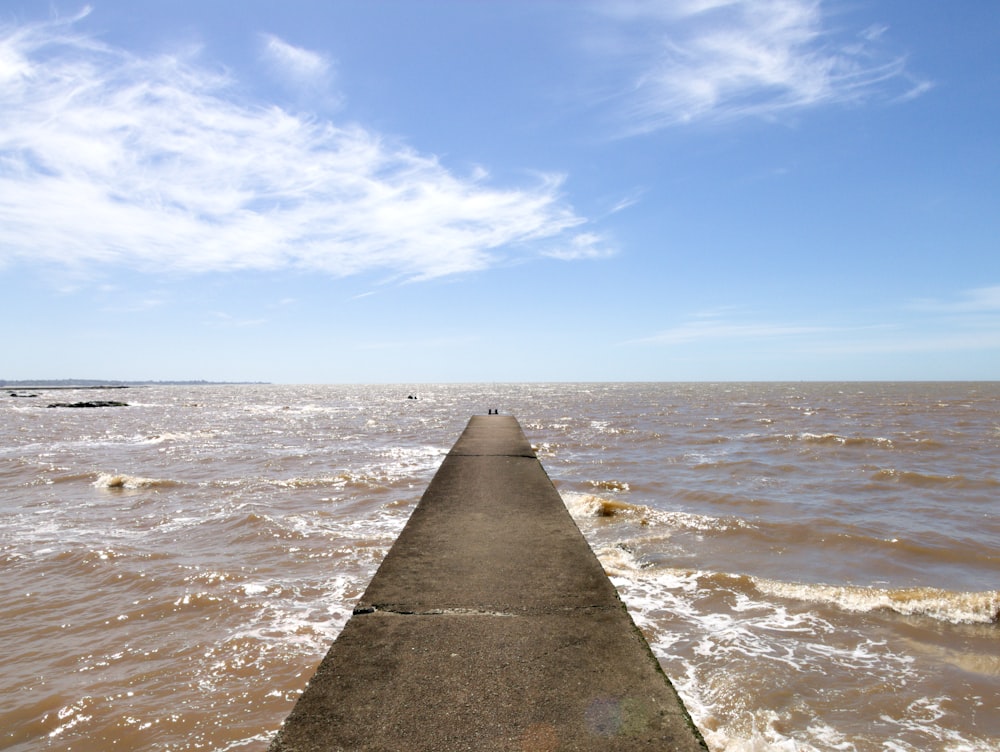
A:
[131,482]
[836,439]
[175,436]
[306,618]
[920,719]
[584,505]
[744,633]
[957,608]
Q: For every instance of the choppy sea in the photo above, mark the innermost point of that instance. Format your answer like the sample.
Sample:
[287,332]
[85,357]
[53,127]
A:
[817,566]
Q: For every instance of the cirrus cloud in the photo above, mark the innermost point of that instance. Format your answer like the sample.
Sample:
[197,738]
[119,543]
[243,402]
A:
[712,60]
[976,300]
[112,158]
[700,330]
[295,62]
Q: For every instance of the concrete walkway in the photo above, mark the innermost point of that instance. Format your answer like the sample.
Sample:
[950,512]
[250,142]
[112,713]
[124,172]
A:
[490,625]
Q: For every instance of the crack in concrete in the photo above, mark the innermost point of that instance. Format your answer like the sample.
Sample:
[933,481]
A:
[431,612]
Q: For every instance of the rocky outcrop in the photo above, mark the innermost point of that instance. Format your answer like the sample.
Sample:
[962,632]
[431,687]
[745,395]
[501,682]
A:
[94,403]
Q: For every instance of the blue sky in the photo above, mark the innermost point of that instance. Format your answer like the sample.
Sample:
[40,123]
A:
[475,190]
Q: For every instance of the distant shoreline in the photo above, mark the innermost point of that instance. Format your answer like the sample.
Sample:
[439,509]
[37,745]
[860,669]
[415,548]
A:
[109,384]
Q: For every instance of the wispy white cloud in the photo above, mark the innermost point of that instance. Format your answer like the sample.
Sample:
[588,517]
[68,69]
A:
[909,341]
[295,62]
[626,201]
[697,60]
[966,323]
[110,158]
[977,300]
[701,330]
[585,245]
[307,73]
[226,320]
[134,306]
[431,343]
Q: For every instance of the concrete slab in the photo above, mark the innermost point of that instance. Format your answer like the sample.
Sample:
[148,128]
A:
[490,625]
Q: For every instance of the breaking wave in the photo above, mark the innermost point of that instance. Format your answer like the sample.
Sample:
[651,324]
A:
[610,485]
[934,603]
[591,505]
[130,482]
[848,441]
[584,505]
[943,605]
[930,480]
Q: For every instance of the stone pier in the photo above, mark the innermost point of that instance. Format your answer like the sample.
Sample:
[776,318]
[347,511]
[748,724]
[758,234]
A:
[490,625]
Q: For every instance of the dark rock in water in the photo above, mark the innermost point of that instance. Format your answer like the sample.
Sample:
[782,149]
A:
[95,403]
[15,394]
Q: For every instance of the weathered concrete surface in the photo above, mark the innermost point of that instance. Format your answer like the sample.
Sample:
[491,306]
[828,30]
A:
[490,625]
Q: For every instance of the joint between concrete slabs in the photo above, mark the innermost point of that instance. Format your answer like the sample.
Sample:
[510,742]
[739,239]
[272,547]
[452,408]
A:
[397,611]
[515,455]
